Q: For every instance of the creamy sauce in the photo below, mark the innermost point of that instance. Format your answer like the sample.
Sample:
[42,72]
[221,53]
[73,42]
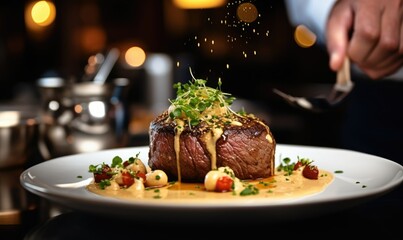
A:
[277,187]
[268,136]
[179,129]
[210,139]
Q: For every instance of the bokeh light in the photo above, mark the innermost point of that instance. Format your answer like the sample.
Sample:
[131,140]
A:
[39,17]
[247,12]
[135,56]
[92,39]
[194,4]
[43,13]
[304,37]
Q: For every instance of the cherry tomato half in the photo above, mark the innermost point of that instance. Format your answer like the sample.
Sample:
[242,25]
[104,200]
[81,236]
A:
[224,184]
[310,171]
[142,175]
[98,177]
[127,179]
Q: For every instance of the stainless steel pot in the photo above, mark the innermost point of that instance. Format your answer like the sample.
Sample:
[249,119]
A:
[19,134]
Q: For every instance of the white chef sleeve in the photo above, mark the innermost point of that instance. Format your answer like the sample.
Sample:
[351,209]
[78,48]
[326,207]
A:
[311,13]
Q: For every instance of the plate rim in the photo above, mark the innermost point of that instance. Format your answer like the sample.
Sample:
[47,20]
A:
[255,203]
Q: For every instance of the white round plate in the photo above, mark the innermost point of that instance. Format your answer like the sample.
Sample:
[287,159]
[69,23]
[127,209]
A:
[364,177]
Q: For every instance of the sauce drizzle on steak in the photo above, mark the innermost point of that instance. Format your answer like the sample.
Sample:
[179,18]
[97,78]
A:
[186,144]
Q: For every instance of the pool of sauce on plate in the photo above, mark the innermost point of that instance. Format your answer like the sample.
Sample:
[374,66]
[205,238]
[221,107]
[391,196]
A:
[277,187]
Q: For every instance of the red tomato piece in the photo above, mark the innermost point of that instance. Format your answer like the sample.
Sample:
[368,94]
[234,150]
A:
[298,165]
[142,175]
[310,171]
[98,177]
[127,179]
[224,184]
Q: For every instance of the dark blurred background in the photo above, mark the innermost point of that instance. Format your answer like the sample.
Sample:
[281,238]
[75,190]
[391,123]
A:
[250,57]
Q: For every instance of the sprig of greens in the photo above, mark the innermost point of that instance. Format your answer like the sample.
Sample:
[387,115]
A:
[287,165]
[195,97]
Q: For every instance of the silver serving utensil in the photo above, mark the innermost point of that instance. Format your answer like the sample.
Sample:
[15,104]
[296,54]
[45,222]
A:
[107,66]
[340,90]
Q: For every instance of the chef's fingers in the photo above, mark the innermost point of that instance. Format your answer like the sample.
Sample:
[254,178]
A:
[337,35]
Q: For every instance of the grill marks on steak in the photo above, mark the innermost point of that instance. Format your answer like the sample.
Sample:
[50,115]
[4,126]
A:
[245,149]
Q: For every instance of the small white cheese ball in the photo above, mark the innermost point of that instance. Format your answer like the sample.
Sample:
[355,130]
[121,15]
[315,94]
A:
[137,166]
[210,180]
[156,178]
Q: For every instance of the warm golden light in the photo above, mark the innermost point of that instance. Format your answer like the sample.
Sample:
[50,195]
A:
[93,39]
[193,4]
[135,56]
[78,108]
[9,118]
[43,13]
[304,37]
[247,12]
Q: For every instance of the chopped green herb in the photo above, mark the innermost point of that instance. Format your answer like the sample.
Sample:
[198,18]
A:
[338,171]
[104,183]
[249,190]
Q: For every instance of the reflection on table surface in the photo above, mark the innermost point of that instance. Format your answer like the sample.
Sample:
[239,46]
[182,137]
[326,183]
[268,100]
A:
[375,218]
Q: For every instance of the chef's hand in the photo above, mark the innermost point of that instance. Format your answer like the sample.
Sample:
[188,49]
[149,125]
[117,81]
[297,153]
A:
[370,32]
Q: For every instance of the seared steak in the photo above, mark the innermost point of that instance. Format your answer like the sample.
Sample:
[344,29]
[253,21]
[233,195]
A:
[245,144]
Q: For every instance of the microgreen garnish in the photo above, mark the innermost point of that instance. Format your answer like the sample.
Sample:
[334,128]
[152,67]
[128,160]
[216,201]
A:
[117,161]
[133,159]
[195,98]
[96,168]
[287,165]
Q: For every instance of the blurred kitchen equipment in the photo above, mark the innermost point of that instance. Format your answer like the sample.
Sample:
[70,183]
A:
[339,92]
[99,66]
[92,67]
[106,66]
[53,92]
[19,134]
[159,76]
[83,117]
